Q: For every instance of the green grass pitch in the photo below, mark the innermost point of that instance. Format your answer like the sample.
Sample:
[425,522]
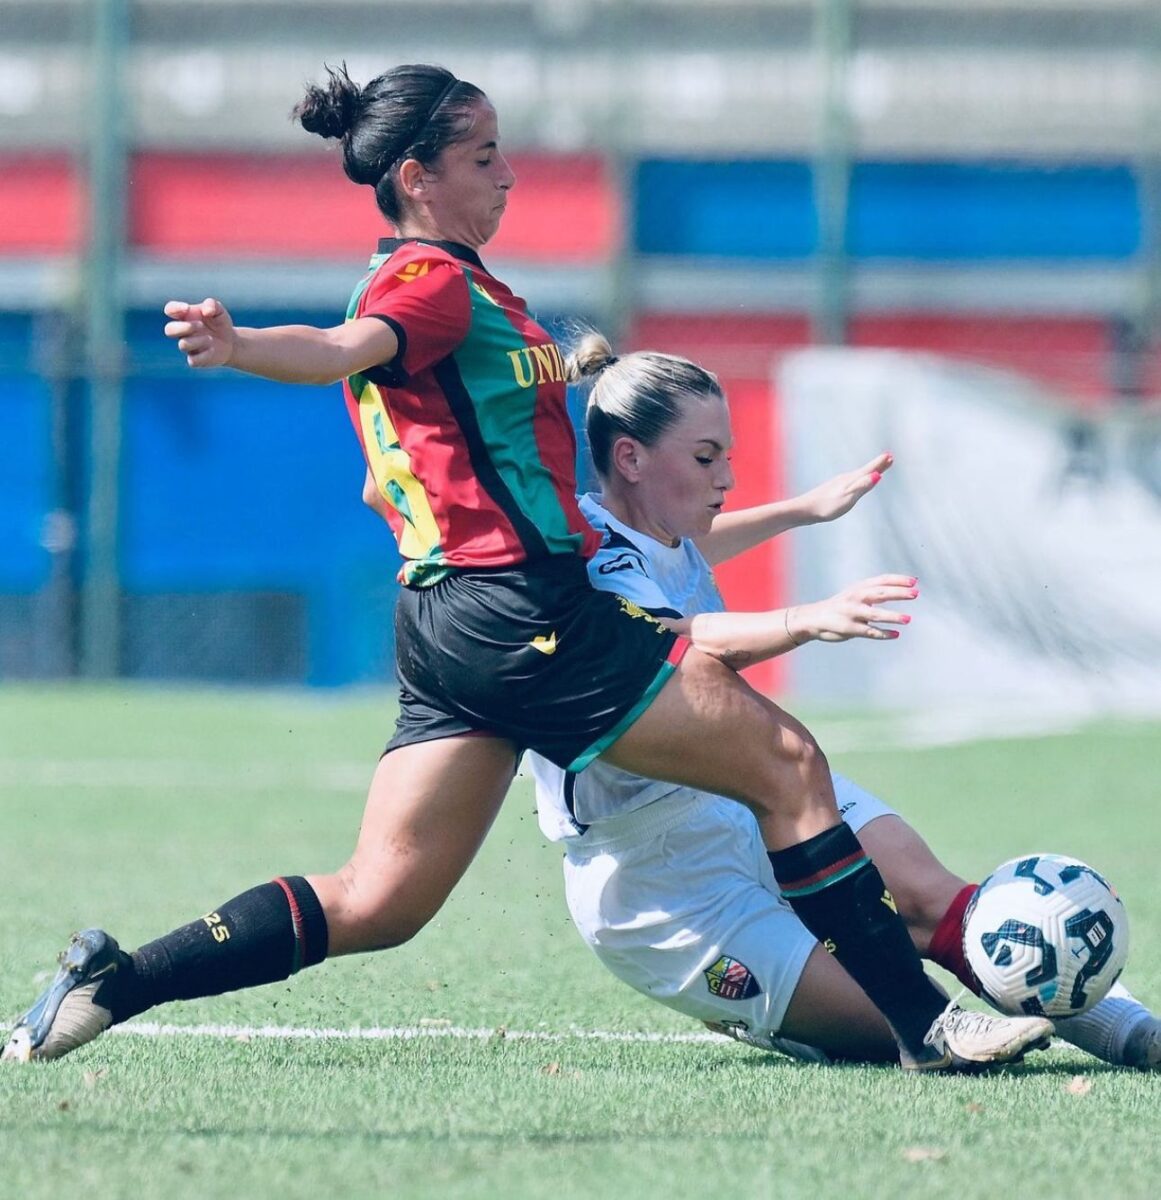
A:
[140,809]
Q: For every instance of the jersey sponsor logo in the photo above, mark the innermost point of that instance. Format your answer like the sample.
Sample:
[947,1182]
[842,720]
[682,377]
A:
[636,611]
[730,979]
[413,271]
[546,645]
[623,562]
[533,365]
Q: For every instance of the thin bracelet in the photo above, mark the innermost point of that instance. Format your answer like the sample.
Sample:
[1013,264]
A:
[786,623]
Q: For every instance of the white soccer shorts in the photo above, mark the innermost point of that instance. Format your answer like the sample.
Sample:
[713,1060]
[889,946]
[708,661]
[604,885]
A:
[681,904]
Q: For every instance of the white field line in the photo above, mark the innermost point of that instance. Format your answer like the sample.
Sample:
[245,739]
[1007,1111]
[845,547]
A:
[407,1033]
[940,727]
[398,1033]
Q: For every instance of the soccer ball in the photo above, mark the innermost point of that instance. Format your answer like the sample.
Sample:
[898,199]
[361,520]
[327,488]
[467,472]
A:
[1045,935]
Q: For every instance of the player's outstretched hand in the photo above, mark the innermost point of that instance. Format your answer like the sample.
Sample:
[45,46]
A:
[839,495]
[856,611]
[204,332]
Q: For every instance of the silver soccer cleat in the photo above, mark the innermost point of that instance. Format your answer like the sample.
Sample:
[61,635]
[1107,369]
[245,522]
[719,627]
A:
[67,1014]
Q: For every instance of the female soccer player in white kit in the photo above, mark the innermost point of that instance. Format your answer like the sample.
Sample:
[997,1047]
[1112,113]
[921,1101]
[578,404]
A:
[678,898]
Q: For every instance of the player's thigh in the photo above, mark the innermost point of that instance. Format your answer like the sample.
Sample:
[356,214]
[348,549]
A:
[708,729]
[829,1010]
[434,801]
[429,808]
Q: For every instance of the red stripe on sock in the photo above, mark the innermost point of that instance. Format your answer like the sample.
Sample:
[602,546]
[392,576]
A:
[299,931]
[946,946]
[824,874]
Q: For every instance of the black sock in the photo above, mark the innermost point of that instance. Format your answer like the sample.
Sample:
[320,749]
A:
[840,897]
[261,936]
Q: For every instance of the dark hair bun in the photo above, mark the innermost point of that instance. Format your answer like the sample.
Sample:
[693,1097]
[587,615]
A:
[330,111]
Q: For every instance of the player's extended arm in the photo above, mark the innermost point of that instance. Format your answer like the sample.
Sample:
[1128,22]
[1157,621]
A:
[735,532]
[742,639]
[207,336]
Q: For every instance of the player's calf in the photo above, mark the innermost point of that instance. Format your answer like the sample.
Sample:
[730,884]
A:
[261,936]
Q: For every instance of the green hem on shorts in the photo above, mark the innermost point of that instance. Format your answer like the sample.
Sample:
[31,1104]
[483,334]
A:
[602,743]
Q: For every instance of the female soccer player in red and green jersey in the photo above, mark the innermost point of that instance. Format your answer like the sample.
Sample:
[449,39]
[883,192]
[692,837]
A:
[458,398]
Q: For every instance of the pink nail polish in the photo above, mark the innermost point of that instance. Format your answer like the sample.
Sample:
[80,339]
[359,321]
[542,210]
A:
[875,476]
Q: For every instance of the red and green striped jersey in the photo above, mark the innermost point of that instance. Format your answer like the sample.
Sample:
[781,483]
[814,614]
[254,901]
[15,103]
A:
[466,431]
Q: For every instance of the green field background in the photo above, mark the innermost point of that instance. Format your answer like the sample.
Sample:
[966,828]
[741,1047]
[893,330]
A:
[139,809]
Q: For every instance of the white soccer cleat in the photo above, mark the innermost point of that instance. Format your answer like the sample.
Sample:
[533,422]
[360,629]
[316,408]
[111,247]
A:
[67,1014]
[966,1041]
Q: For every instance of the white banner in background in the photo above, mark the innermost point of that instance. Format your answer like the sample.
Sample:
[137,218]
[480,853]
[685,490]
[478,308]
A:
[1034,530]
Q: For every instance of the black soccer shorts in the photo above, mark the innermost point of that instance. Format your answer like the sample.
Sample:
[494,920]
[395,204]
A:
[531,653]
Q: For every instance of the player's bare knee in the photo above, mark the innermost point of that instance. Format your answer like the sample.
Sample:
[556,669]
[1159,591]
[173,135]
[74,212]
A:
[796,779]
[798,744]
[807,754]
[375,928]
[374,915]
[392,937]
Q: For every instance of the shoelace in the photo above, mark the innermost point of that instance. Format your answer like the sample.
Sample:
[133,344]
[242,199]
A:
[951,1015]
[966,1021]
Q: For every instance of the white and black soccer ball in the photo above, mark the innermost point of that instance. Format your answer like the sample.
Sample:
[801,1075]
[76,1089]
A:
[1045,935]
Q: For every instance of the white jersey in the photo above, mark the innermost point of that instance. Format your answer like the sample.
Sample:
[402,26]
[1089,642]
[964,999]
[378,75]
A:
[667,581]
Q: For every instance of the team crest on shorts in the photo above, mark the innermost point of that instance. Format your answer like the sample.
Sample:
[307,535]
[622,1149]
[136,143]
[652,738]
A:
[730,979]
